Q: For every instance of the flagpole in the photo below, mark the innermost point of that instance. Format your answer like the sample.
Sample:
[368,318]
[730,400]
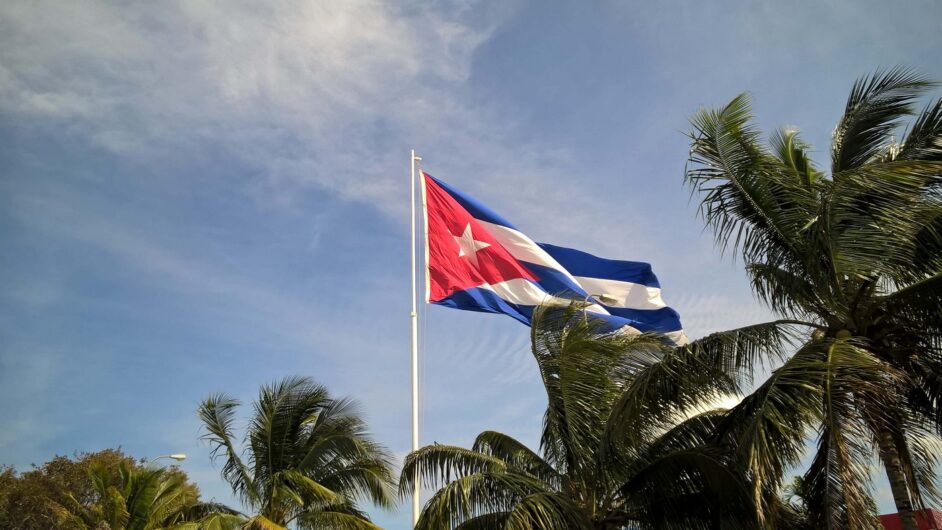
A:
[415,353]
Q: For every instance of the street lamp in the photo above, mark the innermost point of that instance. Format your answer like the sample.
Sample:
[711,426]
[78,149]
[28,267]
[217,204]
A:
[179,457]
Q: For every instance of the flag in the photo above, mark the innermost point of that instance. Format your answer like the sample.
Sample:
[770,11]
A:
[476,260]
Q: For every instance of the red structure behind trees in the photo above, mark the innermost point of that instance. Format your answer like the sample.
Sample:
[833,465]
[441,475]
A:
[927,520]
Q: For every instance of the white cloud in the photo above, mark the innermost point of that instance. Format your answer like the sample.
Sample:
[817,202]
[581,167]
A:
[325,96]
[292,88]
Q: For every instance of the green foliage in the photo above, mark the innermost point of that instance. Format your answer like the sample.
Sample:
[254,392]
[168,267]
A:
[106,489]
[855,258]
[609,458]
[310,460]
[27,500]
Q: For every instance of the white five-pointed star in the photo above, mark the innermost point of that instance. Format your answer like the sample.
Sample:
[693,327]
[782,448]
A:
[468,246]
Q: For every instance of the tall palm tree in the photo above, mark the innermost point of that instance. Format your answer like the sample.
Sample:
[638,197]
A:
[653,471]
[854,255]
[310,459]
[143,499]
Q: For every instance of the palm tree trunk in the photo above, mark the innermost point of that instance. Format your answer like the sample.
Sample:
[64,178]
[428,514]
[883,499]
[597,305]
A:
[897,478]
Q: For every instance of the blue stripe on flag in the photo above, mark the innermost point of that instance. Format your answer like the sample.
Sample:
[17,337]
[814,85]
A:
[580,263]
[475,208]
[612,322]
[663,320]
[487,301]
[555,282]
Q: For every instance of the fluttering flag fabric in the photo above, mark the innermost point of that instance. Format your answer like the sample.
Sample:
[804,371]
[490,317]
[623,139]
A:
[476,260]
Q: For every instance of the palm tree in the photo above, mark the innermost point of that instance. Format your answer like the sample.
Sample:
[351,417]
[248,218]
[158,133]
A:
[143,499]
[854,256]
[650,471]
[793,510]
[310,459]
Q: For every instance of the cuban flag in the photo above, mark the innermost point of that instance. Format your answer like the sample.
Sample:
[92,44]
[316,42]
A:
[476,260]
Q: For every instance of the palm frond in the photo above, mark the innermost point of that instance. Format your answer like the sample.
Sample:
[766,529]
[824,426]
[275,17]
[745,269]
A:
[337,419]
[200,510]
[584,371]
[339,450]
[436,464]
[751,200]
[260,522]
[928,242]
[114,508]
[924,396]
[919,301]
[364,480]
[517,456]
[837,484]
[547,511]
[474,495]
[856,256]
[741,350]
[785,292]
[687,488]
[874,108]
[769,425]
[839,479]
[696,431]
[661,393]
[919,451]
[819,384]
[335,520]
[308,491]
[924,140]
[875,215]
[212,521]
[217,413]
[487,521]
[707,369]
[792,152]
[276,430]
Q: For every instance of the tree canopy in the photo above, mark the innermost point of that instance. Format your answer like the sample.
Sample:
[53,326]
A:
[311,462]
[853,258]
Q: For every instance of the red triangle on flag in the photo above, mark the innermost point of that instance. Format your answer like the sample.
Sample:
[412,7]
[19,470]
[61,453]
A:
[462,253]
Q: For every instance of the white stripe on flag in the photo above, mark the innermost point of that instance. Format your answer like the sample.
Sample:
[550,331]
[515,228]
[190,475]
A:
[679,337]
[520,291]
[629,295]
[523,248]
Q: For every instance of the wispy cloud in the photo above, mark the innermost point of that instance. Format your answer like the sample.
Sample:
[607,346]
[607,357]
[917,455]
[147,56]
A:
[293,88]
[306,96]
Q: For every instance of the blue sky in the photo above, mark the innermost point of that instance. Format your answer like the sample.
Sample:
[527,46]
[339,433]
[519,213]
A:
[206,196]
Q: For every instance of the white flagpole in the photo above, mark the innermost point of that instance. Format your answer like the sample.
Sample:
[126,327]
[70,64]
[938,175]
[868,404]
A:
[415,355]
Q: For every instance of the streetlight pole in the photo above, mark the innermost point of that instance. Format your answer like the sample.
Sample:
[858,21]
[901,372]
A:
[179,457]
